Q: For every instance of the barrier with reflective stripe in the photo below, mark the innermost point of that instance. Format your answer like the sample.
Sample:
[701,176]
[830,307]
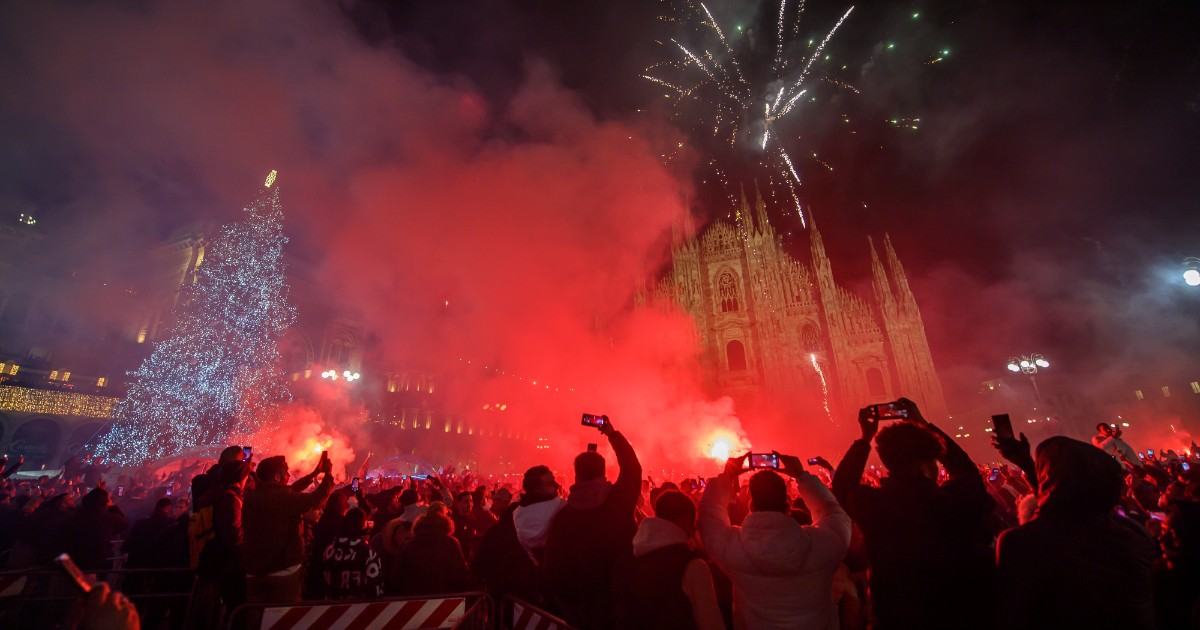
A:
[438,611]
[522,615]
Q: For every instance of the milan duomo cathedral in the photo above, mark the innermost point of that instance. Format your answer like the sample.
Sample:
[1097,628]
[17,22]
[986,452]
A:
[772,328]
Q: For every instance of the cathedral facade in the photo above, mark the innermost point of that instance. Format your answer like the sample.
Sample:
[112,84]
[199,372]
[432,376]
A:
[774,328]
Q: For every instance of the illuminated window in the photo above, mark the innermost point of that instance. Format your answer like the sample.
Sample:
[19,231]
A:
[141,338]
[66,376]
[101,382]
[1196,387]
[1137,393]
[12,369]
[1166,391]
[54,375]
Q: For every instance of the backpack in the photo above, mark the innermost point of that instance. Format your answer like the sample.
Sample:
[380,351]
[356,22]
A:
[200,531]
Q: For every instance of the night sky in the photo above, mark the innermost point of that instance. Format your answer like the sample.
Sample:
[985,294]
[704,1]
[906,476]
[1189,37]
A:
[1045,203]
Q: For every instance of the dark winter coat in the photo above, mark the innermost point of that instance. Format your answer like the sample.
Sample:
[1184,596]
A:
[503,564]
[272,519]
[432,562]
[1077,563]
[929,547]
[588,535]
[144,538]
[90,533]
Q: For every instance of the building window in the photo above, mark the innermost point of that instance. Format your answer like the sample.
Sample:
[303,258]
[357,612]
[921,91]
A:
[727,291]
[810,339]
[66,376]
[12,369]
[1196,387]
[101,382]
[54,375]
[875,383]
[735,354]
[1166,391]
[1137,393]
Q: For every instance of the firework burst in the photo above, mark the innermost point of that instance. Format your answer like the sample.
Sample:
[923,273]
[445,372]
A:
[739,100]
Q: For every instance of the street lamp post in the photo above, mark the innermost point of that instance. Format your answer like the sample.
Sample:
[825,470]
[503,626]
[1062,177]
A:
[1191,271]
[1029,364]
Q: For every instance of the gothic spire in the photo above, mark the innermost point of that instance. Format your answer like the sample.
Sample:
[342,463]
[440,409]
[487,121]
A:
[883,288]
[903,293]
[760,209]
[743,218]
[818,245]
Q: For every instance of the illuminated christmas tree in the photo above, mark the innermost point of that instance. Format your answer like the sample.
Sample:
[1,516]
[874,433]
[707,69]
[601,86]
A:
[216,373]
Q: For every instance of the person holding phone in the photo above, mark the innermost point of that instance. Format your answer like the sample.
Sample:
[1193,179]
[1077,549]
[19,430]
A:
[782,571]
[273,523]
[588,534]
[928,544]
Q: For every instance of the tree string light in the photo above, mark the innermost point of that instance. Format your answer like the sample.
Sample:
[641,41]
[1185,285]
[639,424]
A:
[216,373]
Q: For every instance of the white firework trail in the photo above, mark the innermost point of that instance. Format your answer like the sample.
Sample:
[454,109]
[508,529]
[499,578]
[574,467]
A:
[737,99]
[824,387]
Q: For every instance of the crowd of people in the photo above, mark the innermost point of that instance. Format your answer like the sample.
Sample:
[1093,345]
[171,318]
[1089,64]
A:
[1069,534]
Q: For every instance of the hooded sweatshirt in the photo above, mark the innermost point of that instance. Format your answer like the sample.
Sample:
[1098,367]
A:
[532,523]
[782,572]
[1077,563]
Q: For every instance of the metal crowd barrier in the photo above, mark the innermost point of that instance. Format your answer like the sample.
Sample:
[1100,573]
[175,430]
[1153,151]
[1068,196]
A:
[518,614]
[450,611]
[44,597]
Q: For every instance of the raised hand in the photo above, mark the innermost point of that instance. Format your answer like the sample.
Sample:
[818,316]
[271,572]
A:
[735,466]
[868,422]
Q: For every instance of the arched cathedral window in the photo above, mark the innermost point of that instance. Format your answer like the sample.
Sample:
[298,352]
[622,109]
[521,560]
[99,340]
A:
[809,338]
[727,291]
[735,353]
[875,383]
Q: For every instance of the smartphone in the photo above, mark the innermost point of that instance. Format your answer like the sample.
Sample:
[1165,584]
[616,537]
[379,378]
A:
[1149,452]
[1186,466]
[890,411]
[1002,426]
[814,461]
[590,420]
[764,460]
[995,476]
[1141,455]
[591,448]
[168,490]
[120,491]
[76,576]
[354,485]
[246,452]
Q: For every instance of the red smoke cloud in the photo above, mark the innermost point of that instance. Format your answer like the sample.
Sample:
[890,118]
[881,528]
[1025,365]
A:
[512,235]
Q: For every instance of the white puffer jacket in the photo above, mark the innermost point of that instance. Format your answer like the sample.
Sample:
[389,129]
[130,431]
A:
[782,572]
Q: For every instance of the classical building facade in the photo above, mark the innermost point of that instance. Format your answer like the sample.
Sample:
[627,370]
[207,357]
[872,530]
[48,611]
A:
[773,328]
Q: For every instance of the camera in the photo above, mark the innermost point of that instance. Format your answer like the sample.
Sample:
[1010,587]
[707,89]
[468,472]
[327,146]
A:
[814,461]
[354,485]
[590,420]
[890,411]
[246,452]
[764,460]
